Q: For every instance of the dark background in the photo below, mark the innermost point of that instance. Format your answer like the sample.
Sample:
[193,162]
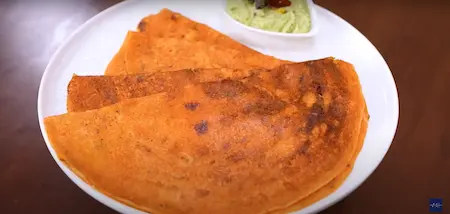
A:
[413,37]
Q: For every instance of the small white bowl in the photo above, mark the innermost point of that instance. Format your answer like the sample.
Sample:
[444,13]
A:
[266,38]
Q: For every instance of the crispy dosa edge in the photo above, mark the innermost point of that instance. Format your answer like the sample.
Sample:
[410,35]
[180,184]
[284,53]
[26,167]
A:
[349,75]
[344,164]
[334,184]
[347,70]
[93,92]
[168,33]
[167,23]
[147,54]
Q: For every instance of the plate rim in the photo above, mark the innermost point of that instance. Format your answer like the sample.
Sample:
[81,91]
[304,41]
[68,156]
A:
[121,207]
[80,183]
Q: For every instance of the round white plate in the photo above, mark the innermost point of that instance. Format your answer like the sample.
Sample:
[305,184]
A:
[89,50]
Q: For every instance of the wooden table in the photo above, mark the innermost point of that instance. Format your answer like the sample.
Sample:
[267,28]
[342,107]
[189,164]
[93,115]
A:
[413,36]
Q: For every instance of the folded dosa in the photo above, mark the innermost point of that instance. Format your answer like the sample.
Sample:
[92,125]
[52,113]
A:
[92,92]
[220,147]
[310,81]
[323,78]
[170,41]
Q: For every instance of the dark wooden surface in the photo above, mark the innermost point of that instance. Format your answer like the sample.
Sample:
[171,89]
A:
[413,37]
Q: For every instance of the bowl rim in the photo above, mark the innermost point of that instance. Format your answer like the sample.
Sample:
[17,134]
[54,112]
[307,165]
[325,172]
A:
[313,31]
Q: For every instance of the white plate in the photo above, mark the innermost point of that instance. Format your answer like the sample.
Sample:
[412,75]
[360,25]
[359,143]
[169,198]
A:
[89,50]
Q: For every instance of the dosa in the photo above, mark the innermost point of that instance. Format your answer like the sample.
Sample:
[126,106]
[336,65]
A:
[169,41]
[328,104]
